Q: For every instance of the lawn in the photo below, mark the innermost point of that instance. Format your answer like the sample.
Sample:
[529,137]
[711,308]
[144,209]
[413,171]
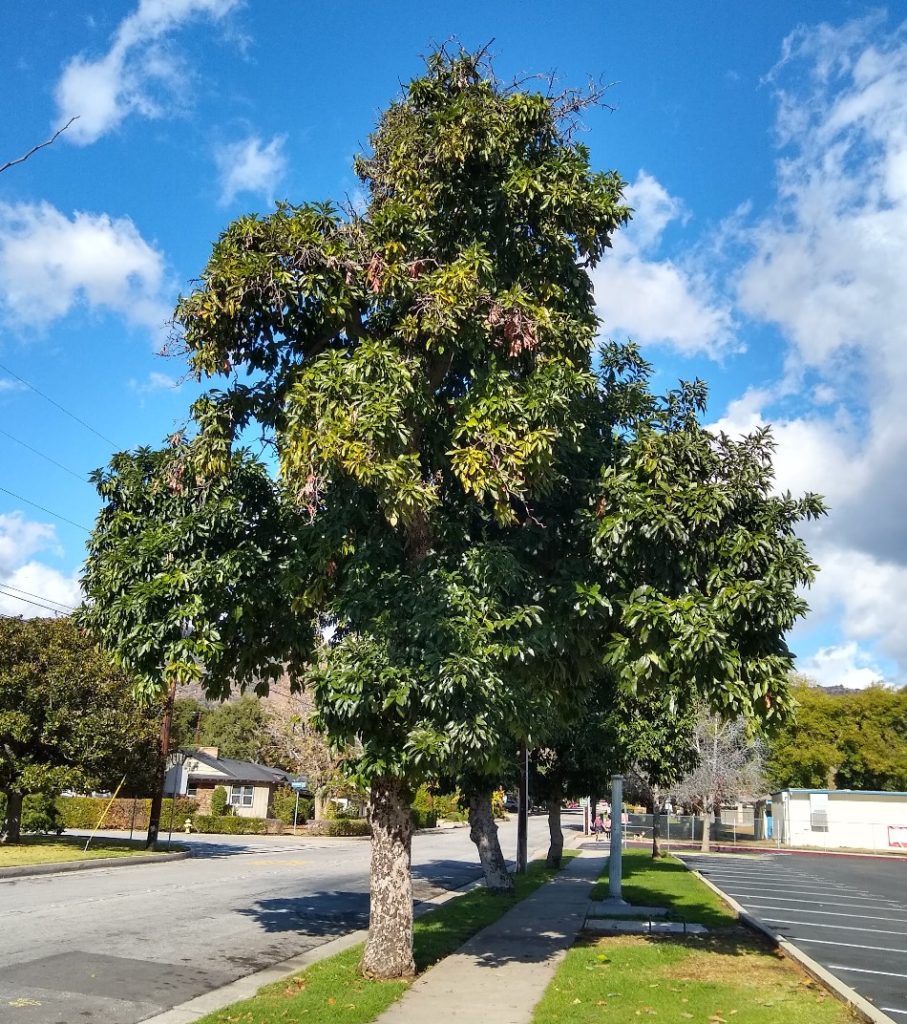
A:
[727,977]
[55,849]
[667,883]
[331,991]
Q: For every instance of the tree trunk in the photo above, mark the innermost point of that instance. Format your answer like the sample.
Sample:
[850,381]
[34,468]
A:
[556,833]
[320,800]
[389,949]
[483,831]
[593,807]
[706,831]
[656,800]
[13,817]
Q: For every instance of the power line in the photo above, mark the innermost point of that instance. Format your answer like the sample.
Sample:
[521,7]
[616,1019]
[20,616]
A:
[63,409]
[50,512]
[40,597]
[59,465]
[25,600]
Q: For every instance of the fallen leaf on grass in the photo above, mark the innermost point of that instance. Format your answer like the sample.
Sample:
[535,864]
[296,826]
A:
[24,1001]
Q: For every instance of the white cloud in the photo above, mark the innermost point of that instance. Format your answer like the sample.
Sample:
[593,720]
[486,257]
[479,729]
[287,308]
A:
[843,665]
[25,577]
[250,165]
[659,300]
[8,384]
[155,381]
[135,75]
[50,262]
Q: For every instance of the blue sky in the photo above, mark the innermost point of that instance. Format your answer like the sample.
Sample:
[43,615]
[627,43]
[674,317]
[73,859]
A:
[766,151]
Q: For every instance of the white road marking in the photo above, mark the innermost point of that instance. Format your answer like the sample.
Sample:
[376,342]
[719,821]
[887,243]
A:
[864,970]
[891,1009]
[852,945]
[838,913]
[788,899]
[839,927]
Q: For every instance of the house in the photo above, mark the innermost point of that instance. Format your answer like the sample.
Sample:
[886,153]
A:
[249,786]
[838,818]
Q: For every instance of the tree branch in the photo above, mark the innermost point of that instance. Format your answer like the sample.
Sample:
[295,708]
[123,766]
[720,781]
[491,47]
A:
[41,145]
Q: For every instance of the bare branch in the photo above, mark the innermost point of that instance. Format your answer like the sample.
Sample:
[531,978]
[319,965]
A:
[41,145]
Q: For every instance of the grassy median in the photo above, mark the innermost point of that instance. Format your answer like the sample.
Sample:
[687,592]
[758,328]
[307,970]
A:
[332,992]
[58,849]
[725,977]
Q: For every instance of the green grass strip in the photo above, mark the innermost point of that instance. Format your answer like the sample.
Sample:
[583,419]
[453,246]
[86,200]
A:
[667,883]
[57,849]
[332,992]
[726,978]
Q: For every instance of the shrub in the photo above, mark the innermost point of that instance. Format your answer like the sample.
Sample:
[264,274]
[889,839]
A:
[348,827]
[283,805]
[220,801]
[230,825]
[442,805]
[83,812]
[423,819]
[498,811]
[40,814]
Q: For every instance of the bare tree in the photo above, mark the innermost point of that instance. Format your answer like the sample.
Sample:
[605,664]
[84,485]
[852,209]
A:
[730,766]
[41,145]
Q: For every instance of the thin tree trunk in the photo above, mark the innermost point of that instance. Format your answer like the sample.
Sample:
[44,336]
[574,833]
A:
[656,800]
[593,807]
[320,801]
[706,830]
[483,831]
[13,817]
[556,834]
[389,949]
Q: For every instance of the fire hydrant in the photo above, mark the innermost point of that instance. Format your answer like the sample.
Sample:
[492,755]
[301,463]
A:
[187,826]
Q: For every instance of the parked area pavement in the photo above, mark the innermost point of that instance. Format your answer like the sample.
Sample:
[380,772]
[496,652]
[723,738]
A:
[848,913]
[500,974]
[117,946]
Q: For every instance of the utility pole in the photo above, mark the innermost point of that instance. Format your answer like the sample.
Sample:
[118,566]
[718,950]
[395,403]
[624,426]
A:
[160,772]
[617,828]
[522,828]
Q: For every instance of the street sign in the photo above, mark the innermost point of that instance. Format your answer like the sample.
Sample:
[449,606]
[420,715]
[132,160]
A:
[299,785]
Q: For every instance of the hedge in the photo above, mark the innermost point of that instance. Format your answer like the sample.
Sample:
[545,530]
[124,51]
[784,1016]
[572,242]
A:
[337,827]
[83,812]
[423,819]
[229,825]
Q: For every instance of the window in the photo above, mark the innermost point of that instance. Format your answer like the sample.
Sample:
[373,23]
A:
[192,789]
[241,796]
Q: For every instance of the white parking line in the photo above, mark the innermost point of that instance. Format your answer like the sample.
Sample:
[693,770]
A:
[837,913]
[838,927]
[891,1009]
[864,970]
[852,945]
[813,902]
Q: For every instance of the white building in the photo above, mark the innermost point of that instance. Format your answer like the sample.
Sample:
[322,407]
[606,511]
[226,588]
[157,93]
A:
[840,819]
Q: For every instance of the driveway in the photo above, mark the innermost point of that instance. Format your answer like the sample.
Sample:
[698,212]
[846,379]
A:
[114,946]
[847,913]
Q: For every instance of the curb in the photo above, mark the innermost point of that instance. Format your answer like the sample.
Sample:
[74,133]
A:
[864,1009]
[246,987]
[61,867]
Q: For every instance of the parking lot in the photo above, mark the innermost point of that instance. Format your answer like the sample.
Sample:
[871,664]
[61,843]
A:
[847,913]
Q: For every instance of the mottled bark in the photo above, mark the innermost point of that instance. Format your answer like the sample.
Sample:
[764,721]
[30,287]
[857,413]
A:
[556,834]
[13,828]
[389,949]
[320,801]
[706,832]
[483,831]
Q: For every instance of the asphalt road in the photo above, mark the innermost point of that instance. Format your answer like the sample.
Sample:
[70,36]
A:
[847,913]
[114,946]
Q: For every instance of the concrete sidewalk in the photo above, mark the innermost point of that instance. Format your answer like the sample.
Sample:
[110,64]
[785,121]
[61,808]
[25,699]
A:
[499,975]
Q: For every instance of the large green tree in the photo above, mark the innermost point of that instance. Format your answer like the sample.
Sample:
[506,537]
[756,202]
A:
[855,740]
[481,517]
[68,718]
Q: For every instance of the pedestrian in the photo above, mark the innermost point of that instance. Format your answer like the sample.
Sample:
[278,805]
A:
[598,828]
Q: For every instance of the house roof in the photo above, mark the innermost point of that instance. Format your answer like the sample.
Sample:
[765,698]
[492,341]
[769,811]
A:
[236,771]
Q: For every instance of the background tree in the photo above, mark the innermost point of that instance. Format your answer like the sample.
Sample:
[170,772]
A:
[67,717]
[730,764]
[851,740]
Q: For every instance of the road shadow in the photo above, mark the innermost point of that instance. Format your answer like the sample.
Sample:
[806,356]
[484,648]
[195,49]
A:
[331,912]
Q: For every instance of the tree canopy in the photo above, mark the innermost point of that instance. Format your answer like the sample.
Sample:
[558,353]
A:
[68,718]
[485,514]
